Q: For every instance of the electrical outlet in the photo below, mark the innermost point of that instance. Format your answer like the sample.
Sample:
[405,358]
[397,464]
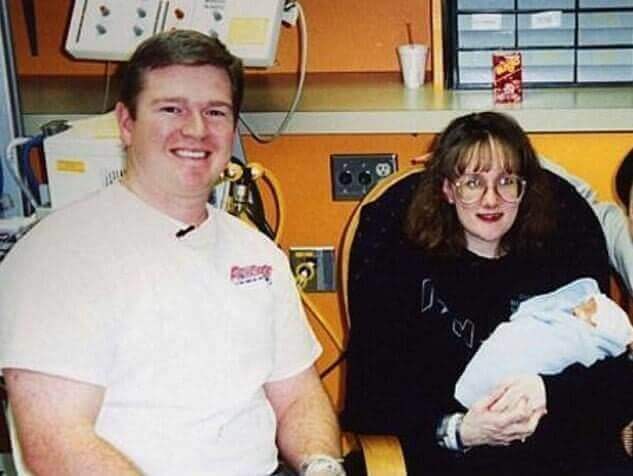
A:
[316,265]
[353,175]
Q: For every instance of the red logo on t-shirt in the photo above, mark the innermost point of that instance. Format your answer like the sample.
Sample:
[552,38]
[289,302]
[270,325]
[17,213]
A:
[251,273]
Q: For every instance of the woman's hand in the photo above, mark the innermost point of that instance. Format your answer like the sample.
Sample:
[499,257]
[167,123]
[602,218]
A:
[528,387]
[506,415]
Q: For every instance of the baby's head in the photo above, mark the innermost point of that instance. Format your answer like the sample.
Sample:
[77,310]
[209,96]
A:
[588,310]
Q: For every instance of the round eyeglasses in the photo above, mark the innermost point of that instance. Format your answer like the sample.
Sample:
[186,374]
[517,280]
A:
[471,188]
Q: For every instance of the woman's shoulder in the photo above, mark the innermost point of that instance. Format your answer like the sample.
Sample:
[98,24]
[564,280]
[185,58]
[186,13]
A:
[575,247]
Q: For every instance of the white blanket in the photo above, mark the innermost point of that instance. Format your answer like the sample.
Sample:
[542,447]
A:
[544,337]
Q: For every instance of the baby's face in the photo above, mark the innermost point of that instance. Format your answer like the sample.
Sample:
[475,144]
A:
[586,311]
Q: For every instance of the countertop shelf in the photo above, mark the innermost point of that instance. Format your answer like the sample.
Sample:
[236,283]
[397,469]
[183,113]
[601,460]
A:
[355,103]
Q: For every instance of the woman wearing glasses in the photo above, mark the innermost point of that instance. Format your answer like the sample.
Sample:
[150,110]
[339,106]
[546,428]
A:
[487,228]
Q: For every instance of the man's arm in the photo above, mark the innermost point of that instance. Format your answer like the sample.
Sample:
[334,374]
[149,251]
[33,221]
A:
[617,231]
[306,421]
[55,419]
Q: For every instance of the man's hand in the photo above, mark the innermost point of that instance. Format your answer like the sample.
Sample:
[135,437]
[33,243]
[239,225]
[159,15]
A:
[511,412]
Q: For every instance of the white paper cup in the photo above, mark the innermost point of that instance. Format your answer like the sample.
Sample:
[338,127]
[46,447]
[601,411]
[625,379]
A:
[412,63]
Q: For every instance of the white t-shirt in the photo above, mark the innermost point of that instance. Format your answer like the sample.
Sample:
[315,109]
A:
[182,332]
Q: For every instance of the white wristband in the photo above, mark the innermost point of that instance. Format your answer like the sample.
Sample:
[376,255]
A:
[451,431]
[321,465]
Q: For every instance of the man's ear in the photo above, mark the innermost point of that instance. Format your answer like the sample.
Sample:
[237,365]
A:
[448,191]
[126,123]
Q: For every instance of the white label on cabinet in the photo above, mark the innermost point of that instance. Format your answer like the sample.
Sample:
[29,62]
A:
[544,20]
[486,21]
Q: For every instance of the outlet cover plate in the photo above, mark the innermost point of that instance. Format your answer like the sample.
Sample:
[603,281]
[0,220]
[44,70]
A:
[353,175]
[323,259]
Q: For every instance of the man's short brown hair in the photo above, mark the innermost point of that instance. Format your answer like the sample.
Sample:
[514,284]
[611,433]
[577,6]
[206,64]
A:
[179,47]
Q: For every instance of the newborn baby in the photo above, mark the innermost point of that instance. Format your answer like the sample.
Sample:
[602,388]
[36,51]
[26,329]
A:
[574,324]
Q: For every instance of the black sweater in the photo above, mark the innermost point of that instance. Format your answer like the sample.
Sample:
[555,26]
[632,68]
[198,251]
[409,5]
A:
[418,319]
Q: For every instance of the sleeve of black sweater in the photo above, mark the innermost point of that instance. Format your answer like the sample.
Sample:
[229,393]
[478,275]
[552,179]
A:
[386,389]
[387,393]
[588,407]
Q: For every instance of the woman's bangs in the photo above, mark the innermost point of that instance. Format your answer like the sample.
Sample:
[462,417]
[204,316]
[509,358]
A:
[476,157]
[483,155]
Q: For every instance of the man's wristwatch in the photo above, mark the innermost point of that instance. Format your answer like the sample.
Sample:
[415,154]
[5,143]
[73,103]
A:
[322,465]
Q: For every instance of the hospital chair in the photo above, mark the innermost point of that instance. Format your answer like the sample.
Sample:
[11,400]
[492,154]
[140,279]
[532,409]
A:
[11,463]
[370,228]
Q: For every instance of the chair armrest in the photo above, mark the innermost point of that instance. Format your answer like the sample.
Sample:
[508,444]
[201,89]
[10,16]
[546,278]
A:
[383,455]
[627,438]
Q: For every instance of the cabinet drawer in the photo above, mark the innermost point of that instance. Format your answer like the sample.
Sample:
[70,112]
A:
[483,30]
[545,4]
[608,28]
[546,29]
[605,3]
[614,65]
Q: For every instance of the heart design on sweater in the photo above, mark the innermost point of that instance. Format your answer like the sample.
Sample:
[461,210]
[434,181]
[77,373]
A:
[464,330]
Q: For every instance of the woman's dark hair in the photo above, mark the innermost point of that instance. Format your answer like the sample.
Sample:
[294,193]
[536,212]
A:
[179,47]
[432,222]
[624,179]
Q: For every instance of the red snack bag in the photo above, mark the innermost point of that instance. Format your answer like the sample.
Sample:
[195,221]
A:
[507,81]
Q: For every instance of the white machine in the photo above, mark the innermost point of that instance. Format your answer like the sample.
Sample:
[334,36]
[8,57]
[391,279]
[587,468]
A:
[111,29]
[90,156]
[83,159]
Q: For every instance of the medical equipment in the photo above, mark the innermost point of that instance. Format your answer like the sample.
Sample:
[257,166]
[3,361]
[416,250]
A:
[111,29]
[10,119]
[85,158]
[245,202]
[89,155]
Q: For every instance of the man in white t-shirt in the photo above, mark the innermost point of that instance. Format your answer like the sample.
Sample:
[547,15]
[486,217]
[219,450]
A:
[144,332]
